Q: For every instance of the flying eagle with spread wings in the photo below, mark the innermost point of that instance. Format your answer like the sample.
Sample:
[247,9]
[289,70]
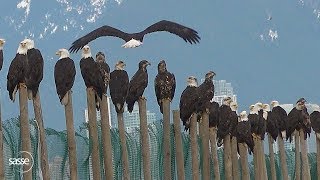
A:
[134,40]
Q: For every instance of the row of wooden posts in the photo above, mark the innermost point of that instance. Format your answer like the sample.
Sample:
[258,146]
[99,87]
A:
[230,145]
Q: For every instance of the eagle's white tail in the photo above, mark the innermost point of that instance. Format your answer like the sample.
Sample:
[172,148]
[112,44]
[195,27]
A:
[14,93]
[65,99]
[132,44]
[283,134]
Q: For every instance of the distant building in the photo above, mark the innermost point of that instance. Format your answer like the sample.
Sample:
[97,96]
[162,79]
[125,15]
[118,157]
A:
[55,168]
[222,89]
[132,120]
[86,116]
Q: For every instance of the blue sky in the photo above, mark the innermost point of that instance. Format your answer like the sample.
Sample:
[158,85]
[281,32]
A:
[230,45]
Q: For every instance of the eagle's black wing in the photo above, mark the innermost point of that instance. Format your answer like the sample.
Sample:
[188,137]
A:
[15,74]
[186,33]
[34,72]
[64,75]
[119,85]
[315,121]
[99,32]
[137,85]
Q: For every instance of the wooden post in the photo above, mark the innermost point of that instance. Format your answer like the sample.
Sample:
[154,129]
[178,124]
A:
[318,156]
[71,138]
[234,158]
[179,148]
[25,129]
[194,147]
[106,138]
[214,152]
[272,159]
[166,139]
[297,155]
[93,133]
[256,157]
[244,161]
[42,137]
[227,157]
[205,146]
[2,161]
[144,136]
[124,150]
[304,156]
[283,158]
[263,161]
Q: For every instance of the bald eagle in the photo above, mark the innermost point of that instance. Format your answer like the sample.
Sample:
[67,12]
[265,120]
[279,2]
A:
[225,118]
[34,69]
[91,74]
[315,120]
[243,131]
[104,69]
[272,124]
[188,101]
[64,75]
[2,41]
[137,84]
[16,73]
[135,39]
[164,84]
[119,86]
[233,118]
[206,93]
[213,114]
[280,116]
[258,123]
[298,118]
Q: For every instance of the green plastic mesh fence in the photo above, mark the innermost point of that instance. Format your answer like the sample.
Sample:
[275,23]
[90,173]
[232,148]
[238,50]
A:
[59,163]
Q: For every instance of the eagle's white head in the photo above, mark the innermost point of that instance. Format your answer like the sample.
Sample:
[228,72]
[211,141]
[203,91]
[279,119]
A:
[30,43]
[233,106]
[315,107]
[300,103]
[253,109]
[132,44]
[120,65]
[22,49]
[86,52]
[227,101]
[192,81]
[2,41]
[63,53]
[274,103]
[259,106]
[243,116]
[266,109]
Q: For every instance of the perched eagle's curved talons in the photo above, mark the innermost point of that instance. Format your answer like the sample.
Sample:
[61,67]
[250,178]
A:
[30,97]
[142,98]
[22,85]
